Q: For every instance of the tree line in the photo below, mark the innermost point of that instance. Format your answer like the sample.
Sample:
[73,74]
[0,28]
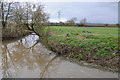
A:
[70,22]
[81,23]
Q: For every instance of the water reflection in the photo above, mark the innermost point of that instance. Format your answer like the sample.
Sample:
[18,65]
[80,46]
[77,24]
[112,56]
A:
[28,58]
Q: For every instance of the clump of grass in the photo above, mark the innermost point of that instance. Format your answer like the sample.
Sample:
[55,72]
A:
[78,56]
[103,52]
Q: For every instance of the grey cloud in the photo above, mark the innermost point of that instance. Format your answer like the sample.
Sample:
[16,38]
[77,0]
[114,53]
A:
[95,12]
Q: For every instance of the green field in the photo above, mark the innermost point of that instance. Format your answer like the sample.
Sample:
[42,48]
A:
[103,39]
[85,43]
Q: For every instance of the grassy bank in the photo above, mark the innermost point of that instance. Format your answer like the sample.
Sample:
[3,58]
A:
[98,45]
[13,33]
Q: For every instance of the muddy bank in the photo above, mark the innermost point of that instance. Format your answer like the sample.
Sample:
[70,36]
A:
[9,34]
[12,38]
[87,58]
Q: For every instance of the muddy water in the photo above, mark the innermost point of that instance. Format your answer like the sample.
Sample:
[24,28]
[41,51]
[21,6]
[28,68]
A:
[28,58]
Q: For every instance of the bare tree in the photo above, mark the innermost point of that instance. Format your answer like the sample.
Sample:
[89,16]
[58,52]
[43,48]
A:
[30,15]
[83,21]
[39,17]
[18,15]
[35,16]
[23,15]
[71,22]
[5,12]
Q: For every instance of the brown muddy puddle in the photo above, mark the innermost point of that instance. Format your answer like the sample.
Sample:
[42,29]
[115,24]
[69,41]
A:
[28,58]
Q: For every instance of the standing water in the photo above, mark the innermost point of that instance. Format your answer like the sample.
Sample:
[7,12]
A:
[28,58]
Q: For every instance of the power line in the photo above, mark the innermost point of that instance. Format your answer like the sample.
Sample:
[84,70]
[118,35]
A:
[59,15]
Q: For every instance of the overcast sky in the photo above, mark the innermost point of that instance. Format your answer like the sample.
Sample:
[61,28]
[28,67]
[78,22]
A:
[95,12]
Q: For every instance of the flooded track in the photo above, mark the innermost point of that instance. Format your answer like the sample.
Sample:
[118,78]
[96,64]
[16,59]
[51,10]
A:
[28,58]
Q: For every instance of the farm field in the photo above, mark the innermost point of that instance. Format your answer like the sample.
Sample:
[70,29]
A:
[92,44]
